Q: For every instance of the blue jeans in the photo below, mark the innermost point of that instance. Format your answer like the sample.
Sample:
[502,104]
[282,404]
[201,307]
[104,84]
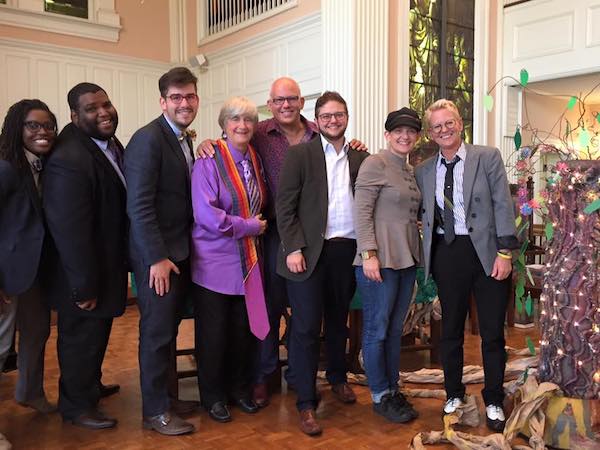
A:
[385,306]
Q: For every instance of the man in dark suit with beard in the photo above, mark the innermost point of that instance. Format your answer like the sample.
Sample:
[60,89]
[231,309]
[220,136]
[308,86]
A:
[84,195]
[158,163]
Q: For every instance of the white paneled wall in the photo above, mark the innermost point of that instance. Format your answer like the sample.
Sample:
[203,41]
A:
[47,72]
[552,38]
[249,69]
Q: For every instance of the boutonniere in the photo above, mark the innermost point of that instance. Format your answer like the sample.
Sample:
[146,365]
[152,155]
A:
[187,133]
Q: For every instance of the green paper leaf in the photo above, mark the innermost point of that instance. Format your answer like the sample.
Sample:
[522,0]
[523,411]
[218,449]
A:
[521,259]
[594,206]
[530,346]
[520,287]
[524,76]
[549,231]
[522,228]
[519,304]
[528,305]
[584,138]
[488,102]
[518,221]
[598,117]
[572,102]
[517,139]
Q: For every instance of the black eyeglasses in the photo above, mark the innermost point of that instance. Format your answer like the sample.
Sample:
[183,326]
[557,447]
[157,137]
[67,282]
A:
[178,98]
[326,117]
[35,126]
[278,101]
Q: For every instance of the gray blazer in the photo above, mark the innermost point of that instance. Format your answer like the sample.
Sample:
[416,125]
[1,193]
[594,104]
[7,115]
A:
[302,203]
[488,205]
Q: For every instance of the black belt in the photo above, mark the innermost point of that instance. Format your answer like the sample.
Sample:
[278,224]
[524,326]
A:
[340,239]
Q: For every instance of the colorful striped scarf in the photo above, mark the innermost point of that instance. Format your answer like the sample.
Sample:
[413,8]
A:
[247,246]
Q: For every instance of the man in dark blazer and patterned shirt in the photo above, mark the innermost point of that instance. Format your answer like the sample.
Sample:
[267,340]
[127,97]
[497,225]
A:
[84,195]
[468,234]
[158,163]
[318,245]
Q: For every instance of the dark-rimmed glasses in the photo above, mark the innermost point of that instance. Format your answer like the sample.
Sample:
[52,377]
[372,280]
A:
[326,117]
[449,124]
[178,98]
[35,126]
[292,100]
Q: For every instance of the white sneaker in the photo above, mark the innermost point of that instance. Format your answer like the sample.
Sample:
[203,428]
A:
[495,412]
[452,404]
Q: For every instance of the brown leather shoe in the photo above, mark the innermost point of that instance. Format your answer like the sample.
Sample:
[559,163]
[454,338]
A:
[168,424]
[183,407]
[260,394]
[94,420]
[344,393]
[309,424]
[41,405]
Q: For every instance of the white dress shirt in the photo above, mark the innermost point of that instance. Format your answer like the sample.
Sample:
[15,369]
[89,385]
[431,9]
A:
[458,200]
[340,208]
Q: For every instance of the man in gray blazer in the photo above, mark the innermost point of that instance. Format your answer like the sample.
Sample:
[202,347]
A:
[315,220]
[468,234]
[158,161]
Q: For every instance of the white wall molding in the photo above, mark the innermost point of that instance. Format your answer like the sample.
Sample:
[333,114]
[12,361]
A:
[355,63]
[103,22]
[177,30]
[552,38]
[47,72]
[480,71]
[249,69]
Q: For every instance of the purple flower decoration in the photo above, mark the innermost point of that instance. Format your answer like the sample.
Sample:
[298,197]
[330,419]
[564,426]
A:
[526,210]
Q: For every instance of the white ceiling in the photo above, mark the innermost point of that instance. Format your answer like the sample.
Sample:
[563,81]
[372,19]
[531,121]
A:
[580,85]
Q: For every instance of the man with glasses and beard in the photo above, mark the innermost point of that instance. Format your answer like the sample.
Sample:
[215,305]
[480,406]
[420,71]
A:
[84,194]
[158,162]
[318,244]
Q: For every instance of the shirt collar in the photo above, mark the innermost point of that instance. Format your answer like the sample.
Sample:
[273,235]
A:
[31,157]
[174,127]
[102,144]
[326,144]
[236,154]
[462,154]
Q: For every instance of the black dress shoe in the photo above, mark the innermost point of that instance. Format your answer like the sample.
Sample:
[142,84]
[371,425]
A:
[107,390]
[94,420]
[247,405]
[495,419]
[219,412]
[168,424]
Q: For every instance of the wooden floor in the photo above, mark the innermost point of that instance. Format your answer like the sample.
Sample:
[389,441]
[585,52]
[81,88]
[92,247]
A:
[345,426]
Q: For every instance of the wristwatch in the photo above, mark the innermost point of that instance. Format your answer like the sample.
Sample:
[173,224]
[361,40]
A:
[368,254]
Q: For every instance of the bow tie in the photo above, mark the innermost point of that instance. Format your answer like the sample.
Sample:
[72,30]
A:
[187,134]
[37,165]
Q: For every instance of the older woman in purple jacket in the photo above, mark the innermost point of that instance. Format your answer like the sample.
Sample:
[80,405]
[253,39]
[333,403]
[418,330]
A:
[228,198]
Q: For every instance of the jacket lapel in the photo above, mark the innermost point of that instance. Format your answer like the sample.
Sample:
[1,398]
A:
[32,190]
[354,161]
[173,142]
[471,163]
[320,167]
[429,187]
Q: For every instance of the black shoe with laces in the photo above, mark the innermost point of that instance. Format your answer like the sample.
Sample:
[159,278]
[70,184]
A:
[402,404]
[388,409]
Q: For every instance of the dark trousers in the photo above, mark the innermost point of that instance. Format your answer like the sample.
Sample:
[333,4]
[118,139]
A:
[326,294]
[267,355]
[81,347]
[33,323]
[458,272]
[158,330]
[225,346]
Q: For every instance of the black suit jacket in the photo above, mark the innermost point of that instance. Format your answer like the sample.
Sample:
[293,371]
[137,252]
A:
[302,203]
[159,202]
[84,202]
[21,229]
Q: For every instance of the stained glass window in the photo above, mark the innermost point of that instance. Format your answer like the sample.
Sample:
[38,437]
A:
[441,56]
[75,8]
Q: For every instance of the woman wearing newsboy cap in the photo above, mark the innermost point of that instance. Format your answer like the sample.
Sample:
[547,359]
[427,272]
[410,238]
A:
[389,250]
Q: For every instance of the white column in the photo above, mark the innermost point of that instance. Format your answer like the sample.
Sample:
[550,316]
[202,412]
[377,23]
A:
[355,35]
